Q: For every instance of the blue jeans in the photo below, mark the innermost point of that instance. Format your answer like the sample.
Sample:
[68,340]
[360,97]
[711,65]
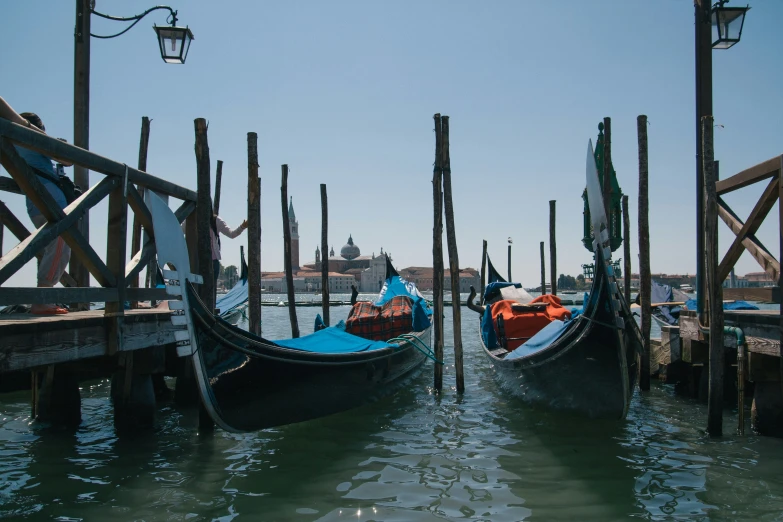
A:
[216,268]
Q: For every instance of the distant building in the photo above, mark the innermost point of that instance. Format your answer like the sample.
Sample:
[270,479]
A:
[367,273]
[422,276]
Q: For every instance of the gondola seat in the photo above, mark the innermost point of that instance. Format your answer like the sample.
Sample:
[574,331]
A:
[516,324]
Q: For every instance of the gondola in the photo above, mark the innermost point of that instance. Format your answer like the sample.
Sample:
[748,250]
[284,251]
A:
[585,365]
[248,383]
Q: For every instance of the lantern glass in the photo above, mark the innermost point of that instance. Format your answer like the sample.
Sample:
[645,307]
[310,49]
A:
[174,43]
[727,25]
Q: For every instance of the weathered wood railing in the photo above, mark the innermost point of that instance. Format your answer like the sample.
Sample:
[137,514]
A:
[745,232]
[120,186]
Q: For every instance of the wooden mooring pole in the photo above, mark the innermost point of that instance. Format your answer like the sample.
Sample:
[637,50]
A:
[218,181]
[206,291]
[509,260]
[543,270]
[325,257]
[144,142]
[714,287]
[645,279]
[289,275]
[552,248]
[253,236]
[437,252]
[483,269]
[451,238]
[626,252]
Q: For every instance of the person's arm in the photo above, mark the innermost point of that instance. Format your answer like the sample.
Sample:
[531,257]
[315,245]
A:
[223,228]
[8,113]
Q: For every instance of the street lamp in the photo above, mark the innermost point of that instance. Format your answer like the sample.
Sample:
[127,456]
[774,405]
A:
[727,24]
[717,27]
[174,44]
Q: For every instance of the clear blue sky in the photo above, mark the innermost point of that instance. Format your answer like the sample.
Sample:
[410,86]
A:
[344,93]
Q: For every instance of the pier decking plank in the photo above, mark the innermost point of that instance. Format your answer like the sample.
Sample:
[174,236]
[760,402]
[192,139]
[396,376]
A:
[761,328]
[27,341]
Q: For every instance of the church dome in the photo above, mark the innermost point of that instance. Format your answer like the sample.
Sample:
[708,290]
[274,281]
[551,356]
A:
[349,250]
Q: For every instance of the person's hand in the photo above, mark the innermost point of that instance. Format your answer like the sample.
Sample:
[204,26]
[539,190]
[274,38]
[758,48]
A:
[244,225]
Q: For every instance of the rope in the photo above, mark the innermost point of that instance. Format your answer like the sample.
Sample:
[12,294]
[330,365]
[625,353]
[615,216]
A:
[415,342]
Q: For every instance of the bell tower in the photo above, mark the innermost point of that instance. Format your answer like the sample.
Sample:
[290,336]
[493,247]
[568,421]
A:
[293,224]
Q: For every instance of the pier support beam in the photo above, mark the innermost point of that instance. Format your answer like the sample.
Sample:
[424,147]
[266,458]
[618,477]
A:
[59,401]
[133,396]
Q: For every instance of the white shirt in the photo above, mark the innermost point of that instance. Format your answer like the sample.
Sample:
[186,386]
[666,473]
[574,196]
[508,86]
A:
[222,228]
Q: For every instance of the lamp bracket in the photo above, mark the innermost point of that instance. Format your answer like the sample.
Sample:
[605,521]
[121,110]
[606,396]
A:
[171,19]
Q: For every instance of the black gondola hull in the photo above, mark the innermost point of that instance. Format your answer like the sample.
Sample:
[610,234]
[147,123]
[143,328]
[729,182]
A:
[590,370]
[252,384]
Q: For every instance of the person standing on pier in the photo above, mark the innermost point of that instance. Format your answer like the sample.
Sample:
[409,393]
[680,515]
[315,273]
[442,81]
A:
[57,253]
[217,227]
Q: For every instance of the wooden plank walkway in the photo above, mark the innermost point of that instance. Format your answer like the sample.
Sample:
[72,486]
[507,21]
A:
[28,341]
[761,328]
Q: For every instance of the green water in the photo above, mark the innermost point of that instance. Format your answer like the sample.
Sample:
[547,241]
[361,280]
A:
[414,457]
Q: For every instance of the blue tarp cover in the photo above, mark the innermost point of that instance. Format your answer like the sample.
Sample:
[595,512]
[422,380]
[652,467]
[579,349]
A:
[736,305]
[235,297]
[544,338]
[488,334]
[333,340]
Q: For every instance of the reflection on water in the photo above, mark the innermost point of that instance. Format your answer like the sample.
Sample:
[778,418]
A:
[414,457]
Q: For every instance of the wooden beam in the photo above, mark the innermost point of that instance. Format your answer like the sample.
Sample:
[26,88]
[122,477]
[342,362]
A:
[325,259]
[750,242]
[714,285]
[437,254]
[55,148]
[140,210]
[645,280]
[218,182]
[767,169]
[451,243]
[31,342]
[552,237]
[12,295]
[287,263]
[38,240]
[204,214]
[116,247]
[760,211]
[136,236]
[9,185]
[16,227]
[253,236]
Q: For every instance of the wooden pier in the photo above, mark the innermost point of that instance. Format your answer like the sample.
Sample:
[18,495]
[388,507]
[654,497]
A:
[128,344]
[683,355]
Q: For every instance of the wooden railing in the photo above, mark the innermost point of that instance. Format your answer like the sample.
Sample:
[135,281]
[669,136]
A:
[121,184]
[746,231]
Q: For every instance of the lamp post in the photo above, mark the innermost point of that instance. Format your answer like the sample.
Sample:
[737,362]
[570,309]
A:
[717,27]
[174,44]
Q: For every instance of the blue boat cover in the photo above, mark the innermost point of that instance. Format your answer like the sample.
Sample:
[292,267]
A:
[736,305]
[333,340]
[544,338]
[235,297]
[488,334]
